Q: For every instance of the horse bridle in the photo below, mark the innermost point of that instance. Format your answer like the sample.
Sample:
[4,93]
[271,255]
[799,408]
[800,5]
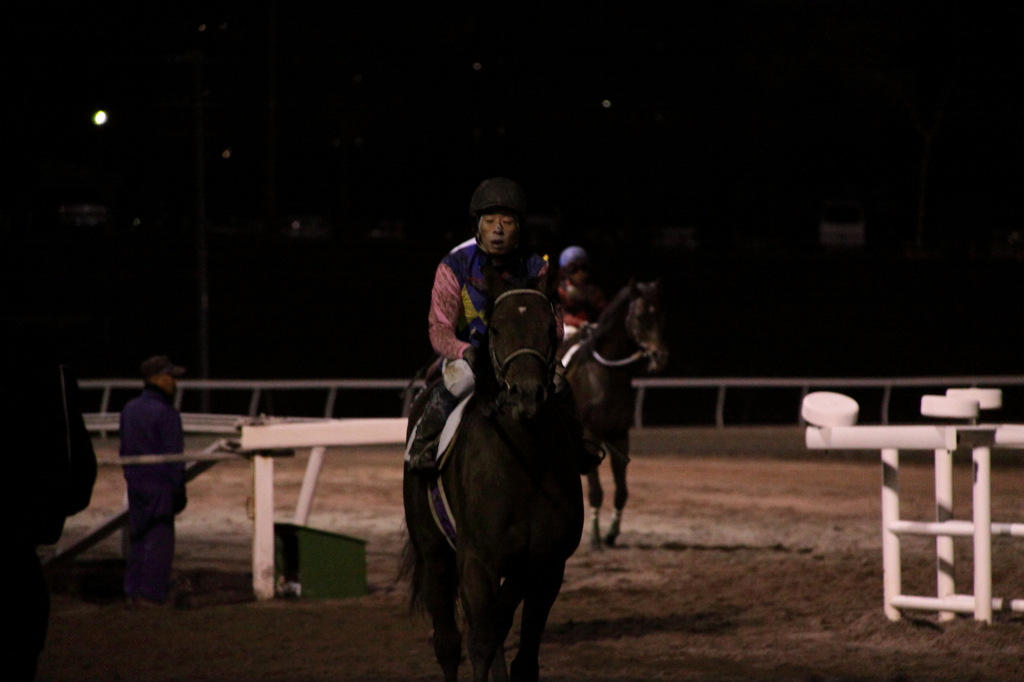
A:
[640,354]
[502,367]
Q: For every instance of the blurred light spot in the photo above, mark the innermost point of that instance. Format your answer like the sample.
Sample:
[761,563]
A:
[606,104]
[99,118]
[477,133]
[224,26]
[296,225]
[202,27]
[358,78]
[335,142]
[659,117]
[136,222]
[501,131]
[358,141]
[226,154]
[477,66]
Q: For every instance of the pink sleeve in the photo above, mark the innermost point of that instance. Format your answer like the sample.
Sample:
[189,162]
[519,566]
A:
[445,305]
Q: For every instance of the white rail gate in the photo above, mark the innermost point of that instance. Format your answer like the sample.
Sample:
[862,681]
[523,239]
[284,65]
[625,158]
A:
[832,416]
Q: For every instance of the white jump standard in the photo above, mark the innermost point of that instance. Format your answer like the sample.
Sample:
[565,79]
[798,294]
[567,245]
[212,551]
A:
[832,417]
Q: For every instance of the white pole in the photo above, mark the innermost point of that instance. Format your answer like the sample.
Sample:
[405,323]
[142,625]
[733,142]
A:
[891,578]
[944,559]
[982,534]
[313,467]
[263,527]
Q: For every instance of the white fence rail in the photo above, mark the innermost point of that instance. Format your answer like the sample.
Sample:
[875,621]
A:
[256,388]
[806,384]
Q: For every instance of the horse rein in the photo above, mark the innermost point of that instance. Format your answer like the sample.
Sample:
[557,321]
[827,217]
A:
[502,367]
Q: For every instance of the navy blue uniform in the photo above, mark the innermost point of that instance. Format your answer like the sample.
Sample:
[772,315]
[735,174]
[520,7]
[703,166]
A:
[151,426]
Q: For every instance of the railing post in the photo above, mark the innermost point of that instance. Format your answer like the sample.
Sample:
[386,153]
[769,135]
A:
[332,396]
[638,408]
[892,578]
[179,396]
[886,395]
[720,408]
[982,534]
[254,401]
[944,557]
[263,527]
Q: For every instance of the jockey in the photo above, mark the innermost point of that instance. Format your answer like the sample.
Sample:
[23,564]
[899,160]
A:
[456,326]
[581,300]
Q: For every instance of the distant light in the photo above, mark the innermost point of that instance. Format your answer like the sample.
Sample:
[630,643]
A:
[224,26]
[358,78]
[477,66]
[136,222]
[358,141]
[336,142]
[606,104]
[100,117]
[202,27]
[226,154]
[296,225]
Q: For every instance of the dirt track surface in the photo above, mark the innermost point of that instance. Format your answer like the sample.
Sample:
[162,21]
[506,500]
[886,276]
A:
[728,568]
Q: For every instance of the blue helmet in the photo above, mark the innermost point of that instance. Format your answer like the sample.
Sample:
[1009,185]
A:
[573,254]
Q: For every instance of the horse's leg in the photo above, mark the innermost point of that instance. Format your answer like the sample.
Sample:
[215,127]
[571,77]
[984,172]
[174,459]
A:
[544,589]
[479,589]
[619,462]
[595,495]
[438,590]
[509,596]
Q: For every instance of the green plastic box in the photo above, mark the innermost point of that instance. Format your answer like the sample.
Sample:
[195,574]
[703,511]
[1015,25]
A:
[325,565]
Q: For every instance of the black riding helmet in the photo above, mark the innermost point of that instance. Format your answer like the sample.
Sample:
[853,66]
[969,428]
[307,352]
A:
[498,193]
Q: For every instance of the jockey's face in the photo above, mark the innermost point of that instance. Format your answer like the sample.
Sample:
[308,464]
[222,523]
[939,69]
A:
[498,233]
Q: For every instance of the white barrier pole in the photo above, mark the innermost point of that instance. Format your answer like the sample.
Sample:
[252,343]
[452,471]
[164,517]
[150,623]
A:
[944,558]
[313,467]
[891,569]
[982,534]
[263,527]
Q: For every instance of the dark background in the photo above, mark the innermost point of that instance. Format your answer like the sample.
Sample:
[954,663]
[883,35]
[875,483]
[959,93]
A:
[729,125]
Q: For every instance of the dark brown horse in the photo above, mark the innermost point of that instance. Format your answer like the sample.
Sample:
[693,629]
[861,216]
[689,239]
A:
[627,340]
[513,486]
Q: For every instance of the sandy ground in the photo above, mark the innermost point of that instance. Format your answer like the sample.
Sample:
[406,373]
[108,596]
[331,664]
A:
[729,568]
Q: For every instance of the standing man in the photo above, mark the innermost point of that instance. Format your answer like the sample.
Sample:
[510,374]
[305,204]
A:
[150,425]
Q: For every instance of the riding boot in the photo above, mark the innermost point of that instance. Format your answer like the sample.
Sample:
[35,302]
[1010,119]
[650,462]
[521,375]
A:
[423,451]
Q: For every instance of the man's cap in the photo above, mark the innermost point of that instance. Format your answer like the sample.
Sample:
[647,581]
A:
[160,364]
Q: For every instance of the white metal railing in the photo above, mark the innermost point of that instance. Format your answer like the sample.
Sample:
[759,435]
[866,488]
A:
[256,387]
[805,384]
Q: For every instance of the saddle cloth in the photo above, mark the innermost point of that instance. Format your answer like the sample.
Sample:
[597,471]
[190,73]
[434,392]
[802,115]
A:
[436,496]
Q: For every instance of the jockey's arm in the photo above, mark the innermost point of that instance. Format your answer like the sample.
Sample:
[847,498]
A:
[445,306]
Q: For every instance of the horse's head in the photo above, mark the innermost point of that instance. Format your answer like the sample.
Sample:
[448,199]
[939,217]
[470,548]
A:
[645,323]
[522,340]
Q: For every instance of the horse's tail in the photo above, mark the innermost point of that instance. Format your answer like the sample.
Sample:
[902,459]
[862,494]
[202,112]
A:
[410,568]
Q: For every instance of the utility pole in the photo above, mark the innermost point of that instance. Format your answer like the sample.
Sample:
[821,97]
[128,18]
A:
[201,246]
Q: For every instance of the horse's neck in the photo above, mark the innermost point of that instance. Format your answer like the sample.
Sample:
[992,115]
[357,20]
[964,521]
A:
[615,343]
